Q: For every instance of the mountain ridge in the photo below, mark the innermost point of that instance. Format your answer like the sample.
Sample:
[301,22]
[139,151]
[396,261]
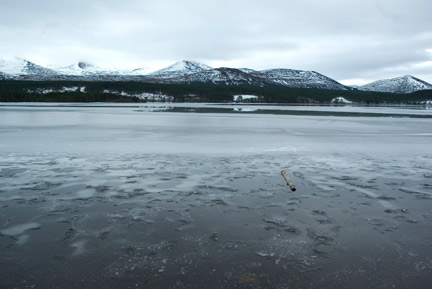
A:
[188,72]
[181,72]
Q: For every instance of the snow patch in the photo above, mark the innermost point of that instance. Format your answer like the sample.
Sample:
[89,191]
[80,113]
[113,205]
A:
[340,99]
[62,90]
[143,95]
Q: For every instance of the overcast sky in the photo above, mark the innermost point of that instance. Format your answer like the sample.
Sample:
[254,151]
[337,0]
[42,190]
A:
[352,41]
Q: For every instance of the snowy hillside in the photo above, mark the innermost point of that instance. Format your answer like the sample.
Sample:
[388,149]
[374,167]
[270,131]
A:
[247,70]
[18,66]
[245,76]
[180,68]
[86,69]
[137,72]
[4,76]
[78,69]
[23,69]
[404,84]
[299,78]
[221,76]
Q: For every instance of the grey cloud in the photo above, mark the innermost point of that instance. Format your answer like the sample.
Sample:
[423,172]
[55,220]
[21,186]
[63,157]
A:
[249,33]
[369,61]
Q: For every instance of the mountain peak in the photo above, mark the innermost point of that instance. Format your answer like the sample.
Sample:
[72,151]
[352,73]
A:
[84,65]
[189,64]
[181,68]
[402,84]
[19,66]
[13,66]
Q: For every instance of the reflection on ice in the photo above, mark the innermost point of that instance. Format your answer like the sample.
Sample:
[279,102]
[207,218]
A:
[79,247]
[22,239]
[19,229]
[86,193]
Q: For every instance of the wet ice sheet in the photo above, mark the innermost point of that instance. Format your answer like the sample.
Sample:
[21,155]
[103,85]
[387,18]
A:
[166,106]
[178,218]
[124,130]
[219,216]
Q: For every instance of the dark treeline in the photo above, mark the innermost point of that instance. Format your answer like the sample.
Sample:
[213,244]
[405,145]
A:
[32,91]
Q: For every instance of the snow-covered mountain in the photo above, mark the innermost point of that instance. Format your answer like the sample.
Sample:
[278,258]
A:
[194,72]
[247,70]
[21,69]
[299,78]
[221,76]
[245,76]
[137,72]
[78,69]
[404,84]
[25,69]
[181,68]
[5,76]
[180,72]
[86,69]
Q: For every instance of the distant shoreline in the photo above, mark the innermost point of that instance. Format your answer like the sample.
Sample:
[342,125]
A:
[141,92]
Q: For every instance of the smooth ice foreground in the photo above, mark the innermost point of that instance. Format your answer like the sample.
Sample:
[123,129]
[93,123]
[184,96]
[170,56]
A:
[134,197]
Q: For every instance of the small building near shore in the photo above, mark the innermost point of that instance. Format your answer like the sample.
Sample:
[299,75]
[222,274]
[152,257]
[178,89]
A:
[245,98]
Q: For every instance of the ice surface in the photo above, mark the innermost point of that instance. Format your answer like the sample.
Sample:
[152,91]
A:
[110,195]
[123,129]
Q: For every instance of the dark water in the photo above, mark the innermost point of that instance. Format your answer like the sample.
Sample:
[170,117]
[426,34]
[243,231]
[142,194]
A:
[125,199]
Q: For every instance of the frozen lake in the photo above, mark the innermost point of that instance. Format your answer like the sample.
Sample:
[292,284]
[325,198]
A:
[191,196]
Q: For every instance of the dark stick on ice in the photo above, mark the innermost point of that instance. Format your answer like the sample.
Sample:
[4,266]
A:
[288,181]
[7,222]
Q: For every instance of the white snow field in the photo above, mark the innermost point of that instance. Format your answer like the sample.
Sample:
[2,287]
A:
[191,196]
